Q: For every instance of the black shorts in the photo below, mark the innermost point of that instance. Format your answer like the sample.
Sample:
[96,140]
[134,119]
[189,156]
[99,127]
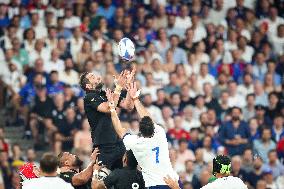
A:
[111,155]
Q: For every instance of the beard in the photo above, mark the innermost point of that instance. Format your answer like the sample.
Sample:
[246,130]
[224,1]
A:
[99,86]
[78,163]
[235,118]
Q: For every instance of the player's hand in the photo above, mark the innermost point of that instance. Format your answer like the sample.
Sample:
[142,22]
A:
[98,165]
[132,90]
[95,154]
[121,79]
[110,98]
[173,184]
[131,75]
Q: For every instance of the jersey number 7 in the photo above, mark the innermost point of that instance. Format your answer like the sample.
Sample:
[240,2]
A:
[157,150]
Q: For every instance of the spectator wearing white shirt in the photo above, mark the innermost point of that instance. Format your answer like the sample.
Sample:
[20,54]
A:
[235,99]
[167,114]
[199,30]
[150,87]
[71,21]
[183,21]
[51,41]
[40,30]
[278,40]
[231,43]
[189,121]
[247,86]
[76,41]
[69,75]
[54,64]
[246,50]
[217,15]
[160,20]
[161,77]
[29,40]
[204,76]
[48,179]
[154,111]
[199,107]
[39,52]
[273,20]
[171,27]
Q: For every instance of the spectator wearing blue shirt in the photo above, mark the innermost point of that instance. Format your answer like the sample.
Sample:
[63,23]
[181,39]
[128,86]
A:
[237,65]
[259,68]
[55,86]
[263,145]
[25,21]
[173,85]
[235,134]
[214,63]
[28,92]
[106,10]
[271,66]
[4,19]
[278,128]
[179,55]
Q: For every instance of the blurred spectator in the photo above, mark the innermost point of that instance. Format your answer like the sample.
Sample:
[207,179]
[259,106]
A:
[69,75]
[249,109]
[255,175]
[235,99]
[273,164]
[263,145]
[237,170]
[208,151]
[55,86]
[247,160]
[177,133]
[278,128]
[268,177]
[82,139]
[184,154]
[235,134]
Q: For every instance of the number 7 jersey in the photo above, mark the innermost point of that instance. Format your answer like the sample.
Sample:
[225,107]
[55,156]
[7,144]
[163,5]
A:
[152,155]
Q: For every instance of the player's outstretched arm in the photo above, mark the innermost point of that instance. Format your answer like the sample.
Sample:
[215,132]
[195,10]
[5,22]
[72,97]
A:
[84,176]
[114,117]
[134,94]
[119,84]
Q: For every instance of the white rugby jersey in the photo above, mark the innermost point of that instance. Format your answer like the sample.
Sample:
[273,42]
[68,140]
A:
[46,183]
[152,155]
[229,182]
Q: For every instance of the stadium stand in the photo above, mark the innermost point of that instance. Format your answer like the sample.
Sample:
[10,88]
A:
[211,72]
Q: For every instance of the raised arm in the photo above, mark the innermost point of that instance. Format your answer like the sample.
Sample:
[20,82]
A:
[84,176]
[114,117]
[119,84]
[134,94]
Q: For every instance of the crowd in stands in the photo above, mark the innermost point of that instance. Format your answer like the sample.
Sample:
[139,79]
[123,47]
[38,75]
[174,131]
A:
[211,73]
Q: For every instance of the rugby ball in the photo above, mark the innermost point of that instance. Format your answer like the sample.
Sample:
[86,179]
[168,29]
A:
[126,49]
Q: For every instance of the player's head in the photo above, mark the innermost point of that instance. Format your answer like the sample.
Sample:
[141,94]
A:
[221,166]
[129,160]
[146,127]
[48,164]
[90,81]
[66,159]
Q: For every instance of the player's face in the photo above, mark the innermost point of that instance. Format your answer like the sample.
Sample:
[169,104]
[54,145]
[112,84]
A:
[95,80]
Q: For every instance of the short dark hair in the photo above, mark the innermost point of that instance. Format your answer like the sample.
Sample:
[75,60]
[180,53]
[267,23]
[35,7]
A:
[84,81]
[48,163]
[219,162]
[146,127]
[131,160]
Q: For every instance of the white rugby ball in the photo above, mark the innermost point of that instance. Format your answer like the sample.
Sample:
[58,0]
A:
[126,49]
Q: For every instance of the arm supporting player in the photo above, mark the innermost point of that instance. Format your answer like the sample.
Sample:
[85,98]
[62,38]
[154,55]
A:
[96,183]
[114,117]
[84,176]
